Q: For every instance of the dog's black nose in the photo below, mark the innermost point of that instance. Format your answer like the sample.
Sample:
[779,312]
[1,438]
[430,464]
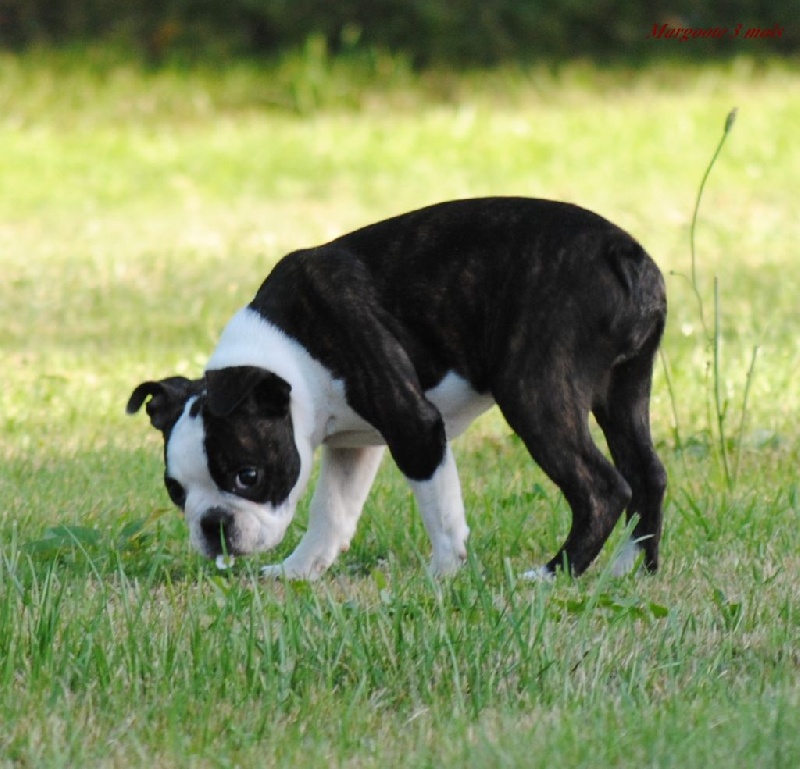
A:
[217,525]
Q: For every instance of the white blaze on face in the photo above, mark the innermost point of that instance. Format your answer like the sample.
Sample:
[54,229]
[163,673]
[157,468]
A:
[187,462]
[255,528]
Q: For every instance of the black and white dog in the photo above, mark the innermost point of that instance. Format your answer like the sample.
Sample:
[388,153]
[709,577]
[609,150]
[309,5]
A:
[399,335]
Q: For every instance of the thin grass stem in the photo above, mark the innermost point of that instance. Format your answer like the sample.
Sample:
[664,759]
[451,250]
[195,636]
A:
[720,407]
[673,401]
[745,398]
[714,338]
[729,121]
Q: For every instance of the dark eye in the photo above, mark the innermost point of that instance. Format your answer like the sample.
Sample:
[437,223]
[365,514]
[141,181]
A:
[247,478]
[176,492]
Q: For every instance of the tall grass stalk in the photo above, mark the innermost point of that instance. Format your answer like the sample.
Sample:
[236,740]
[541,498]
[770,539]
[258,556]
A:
[713,337]
[720,405]
[743,417]
[673,402]
[729,121]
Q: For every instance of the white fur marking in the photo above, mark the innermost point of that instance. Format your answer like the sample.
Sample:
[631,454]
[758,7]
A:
[458,403]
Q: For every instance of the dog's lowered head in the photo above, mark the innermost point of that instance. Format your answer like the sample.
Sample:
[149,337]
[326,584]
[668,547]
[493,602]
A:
[231,463]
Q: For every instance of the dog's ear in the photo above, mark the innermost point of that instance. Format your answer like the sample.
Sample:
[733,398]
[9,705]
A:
[229,388]
[167,399]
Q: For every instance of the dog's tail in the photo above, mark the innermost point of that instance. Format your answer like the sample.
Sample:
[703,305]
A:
[645,303]
[626,258]
[638,273]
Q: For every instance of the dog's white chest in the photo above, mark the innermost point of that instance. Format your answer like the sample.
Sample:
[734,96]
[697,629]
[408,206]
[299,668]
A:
[457,402]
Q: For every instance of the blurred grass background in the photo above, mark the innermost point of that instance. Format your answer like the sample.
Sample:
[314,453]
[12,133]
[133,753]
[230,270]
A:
[139,209]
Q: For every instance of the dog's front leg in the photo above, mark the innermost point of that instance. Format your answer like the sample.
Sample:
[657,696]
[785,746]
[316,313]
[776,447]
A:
[345,477]
[442,509]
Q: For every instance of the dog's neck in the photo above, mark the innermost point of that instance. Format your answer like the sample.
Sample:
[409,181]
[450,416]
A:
[251,340]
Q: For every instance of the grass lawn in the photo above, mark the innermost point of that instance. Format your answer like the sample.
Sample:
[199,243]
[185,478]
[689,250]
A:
[139,210]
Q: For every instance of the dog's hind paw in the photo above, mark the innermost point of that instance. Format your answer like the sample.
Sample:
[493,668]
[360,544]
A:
[542,574]
[627,560]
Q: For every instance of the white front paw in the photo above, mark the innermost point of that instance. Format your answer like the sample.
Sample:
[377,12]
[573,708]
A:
[296,570]
[448,564]
[273,571]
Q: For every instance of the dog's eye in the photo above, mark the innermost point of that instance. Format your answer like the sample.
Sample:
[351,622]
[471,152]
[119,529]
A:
[176,492]
[247,478]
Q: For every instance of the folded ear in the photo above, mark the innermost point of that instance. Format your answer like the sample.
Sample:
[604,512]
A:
[229,388]
[167,399]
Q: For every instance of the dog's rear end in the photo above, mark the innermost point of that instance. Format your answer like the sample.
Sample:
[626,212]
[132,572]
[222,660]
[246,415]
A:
[595,353]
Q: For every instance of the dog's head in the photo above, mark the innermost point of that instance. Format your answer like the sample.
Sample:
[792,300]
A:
[231,460]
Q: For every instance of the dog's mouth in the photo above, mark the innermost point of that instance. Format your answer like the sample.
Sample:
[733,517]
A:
[223,531]
[219,538]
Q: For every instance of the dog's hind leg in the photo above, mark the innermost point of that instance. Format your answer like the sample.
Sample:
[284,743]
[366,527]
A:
[624,417]
[442,510]
[345,478]
[551,417]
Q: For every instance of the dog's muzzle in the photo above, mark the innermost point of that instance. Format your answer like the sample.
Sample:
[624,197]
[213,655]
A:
[217,527]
